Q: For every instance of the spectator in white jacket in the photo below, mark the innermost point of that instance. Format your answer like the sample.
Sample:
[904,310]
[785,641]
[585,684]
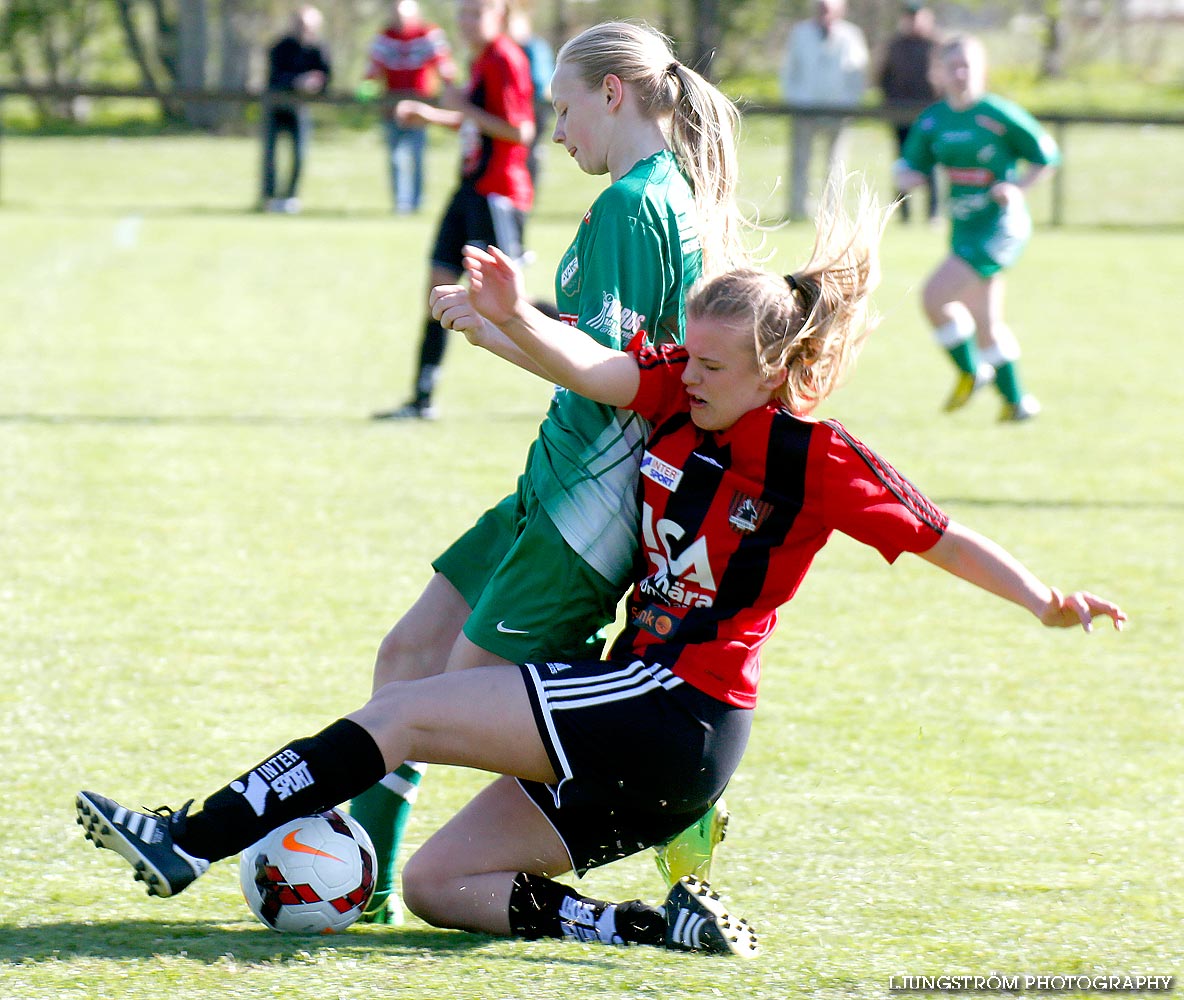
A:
[825,65]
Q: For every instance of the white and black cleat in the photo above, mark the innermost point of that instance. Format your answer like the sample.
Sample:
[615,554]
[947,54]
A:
[143,839]
[696,920]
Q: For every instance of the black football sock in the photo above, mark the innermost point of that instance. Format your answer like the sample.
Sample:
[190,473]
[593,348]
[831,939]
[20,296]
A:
[541,907]
[431,356]
[308,775]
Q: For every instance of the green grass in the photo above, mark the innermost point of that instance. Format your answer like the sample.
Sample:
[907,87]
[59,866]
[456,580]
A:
[203,539]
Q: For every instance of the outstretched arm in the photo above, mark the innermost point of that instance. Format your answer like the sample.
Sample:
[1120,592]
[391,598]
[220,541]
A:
[494,304]
[456,112]
[485,334]
[978,560]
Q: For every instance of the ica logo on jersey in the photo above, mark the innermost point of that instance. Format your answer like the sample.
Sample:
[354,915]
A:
[685,580]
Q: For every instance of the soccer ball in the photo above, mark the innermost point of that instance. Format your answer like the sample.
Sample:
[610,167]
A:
[313,875]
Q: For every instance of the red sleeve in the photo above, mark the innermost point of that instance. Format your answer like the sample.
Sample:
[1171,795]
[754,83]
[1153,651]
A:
[865,497]
[509,93]
[660,393]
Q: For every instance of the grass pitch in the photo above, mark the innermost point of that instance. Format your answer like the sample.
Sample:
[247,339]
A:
[203,538]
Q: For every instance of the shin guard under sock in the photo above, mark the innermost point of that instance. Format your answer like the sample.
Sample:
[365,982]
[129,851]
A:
[307,776]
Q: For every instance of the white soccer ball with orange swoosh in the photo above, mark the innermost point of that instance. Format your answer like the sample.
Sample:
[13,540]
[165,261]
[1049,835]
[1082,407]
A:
[313,875]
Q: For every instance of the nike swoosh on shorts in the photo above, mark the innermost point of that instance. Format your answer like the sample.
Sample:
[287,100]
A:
[501,627]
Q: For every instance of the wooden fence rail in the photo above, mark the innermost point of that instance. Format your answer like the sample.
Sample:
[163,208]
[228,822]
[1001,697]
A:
[1058,121]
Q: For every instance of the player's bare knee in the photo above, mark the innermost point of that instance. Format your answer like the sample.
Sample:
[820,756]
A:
[1003,341]
[390,659]
[934,298]
[391,719]
[424,884]
[404,655]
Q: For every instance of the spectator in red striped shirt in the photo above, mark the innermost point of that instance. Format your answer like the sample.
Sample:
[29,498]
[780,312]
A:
[410,57]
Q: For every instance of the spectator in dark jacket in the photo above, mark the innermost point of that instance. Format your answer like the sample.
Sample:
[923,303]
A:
[297,64]
[905,83]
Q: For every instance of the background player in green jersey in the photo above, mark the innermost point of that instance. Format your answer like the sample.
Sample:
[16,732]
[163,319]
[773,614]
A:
[542,571]
[981,140]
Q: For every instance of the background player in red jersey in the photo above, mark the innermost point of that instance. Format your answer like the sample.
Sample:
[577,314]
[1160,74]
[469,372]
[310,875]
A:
[495,122]
[600,759]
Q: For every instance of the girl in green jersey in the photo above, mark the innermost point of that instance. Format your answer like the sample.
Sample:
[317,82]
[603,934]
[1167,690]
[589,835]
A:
[540,574]
[980,139]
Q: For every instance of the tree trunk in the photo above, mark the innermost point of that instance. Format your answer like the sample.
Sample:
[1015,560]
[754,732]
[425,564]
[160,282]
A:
[192,51]
[708,35]
[167,37]
[670,18]
[19,67]
[139,54]
[1052,57]
[234,68]
[561,27]
[53,56]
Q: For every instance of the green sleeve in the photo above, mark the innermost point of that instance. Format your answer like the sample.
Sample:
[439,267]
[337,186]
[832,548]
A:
[1027,137]
[917,152]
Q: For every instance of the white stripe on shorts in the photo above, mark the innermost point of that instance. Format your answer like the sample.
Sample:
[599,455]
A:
[637,678]
[556,693]
[507,226]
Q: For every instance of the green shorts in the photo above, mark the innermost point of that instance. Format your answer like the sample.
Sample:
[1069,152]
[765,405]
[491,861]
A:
[992,247]
[532,597]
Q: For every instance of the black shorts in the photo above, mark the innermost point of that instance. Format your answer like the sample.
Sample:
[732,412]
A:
[479,219]
[641,755]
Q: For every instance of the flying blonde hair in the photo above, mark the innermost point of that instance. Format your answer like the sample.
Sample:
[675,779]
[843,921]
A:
[814,321]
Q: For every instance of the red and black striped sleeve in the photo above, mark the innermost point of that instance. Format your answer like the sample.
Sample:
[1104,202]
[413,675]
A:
[866,498]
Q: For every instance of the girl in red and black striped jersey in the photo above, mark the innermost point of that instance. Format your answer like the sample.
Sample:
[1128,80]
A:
[739,489]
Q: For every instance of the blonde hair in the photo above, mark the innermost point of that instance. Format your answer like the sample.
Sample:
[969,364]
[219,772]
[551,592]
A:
[964,42]
[812,322]
[704,124]
[975,52]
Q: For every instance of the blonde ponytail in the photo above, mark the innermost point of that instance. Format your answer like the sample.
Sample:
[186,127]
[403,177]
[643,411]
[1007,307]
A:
[812,322]
[705,131]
